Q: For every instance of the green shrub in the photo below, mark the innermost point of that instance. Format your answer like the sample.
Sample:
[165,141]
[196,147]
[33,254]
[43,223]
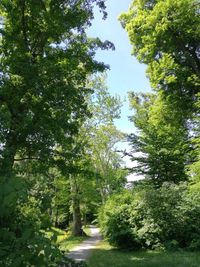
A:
[191,209]
[115,224]
[161,215]
[166,217]
[22,243]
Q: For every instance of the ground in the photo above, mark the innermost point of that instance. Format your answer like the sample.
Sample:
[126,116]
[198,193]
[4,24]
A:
[98,253]
[104,255]
[82,251]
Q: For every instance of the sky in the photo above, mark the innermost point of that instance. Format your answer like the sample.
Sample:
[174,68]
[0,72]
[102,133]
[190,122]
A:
[126,73]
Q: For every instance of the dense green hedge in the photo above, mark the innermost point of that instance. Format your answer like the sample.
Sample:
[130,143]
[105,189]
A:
[168,217]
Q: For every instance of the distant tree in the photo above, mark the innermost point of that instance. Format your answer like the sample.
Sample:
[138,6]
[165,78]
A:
[106,161]
[104,137]
[95,161]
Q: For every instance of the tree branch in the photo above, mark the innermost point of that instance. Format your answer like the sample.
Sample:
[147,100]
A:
[28,158]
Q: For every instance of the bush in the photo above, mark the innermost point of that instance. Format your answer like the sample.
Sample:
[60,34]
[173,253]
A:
[115,222]
[22,243]
[162,215]
[166,217]
[191,209]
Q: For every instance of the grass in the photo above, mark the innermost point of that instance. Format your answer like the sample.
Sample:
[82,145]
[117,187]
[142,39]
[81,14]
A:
[71,242]
[105,256]
[65,240]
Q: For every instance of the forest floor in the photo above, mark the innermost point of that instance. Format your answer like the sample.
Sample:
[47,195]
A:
[83,250]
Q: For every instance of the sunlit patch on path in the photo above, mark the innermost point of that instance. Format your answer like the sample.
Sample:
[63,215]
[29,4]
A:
[82,251]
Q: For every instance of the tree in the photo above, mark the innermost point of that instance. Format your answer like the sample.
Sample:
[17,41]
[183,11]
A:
[60,202]
[194,169]
[95,161]
[45,67]
[97,173]
[104,107]
[80,167]
[46,58]
[165,36]
[162,146]
[103,138]
[106,161]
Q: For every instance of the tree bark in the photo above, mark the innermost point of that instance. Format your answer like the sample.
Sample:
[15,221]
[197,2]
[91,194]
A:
[8,155]
[77,224]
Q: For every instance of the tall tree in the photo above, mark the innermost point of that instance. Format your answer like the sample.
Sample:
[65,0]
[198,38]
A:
[104,137]
[46,57]
[165,35]
[106,161]
[99,163]
[80,167]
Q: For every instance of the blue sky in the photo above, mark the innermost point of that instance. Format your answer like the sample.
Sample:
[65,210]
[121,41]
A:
[126,73]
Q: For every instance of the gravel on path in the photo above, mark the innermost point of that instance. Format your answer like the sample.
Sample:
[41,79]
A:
[82,251]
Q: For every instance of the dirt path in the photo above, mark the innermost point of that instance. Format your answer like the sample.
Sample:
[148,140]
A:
[82,251]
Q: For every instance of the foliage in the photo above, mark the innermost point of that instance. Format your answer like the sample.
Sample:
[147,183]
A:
[60,205]
[22,242]
[106,161]
[98,171]
[165,35]
[103,106]
[161,147]
[114,219]
[153,218]
[194,169]
[103,137]
[46,67]
[46,58]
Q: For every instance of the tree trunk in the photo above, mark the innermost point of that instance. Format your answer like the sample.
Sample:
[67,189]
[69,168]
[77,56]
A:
[8,155]
[77,224]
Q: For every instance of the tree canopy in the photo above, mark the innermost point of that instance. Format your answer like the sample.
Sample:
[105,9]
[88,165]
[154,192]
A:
[165,36]
[45,67]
